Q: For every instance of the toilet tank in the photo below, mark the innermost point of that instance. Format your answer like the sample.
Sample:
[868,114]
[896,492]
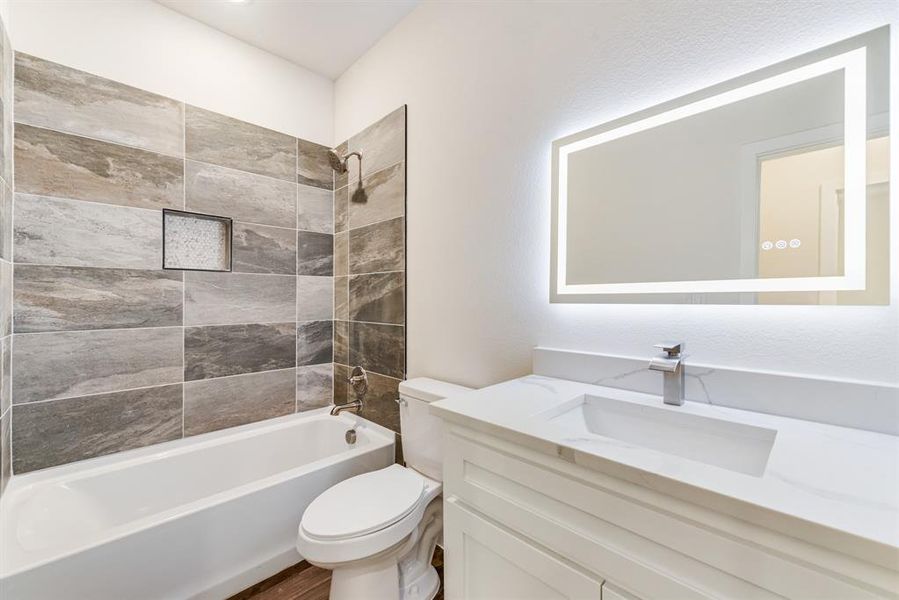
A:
[422,432]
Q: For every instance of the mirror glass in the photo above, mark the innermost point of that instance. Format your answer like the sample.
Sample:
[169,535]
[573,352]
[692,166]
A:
[772,188]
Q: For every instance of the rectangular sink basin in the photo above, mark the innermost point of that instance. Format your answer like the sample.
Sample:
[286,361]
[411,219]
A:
[733,446]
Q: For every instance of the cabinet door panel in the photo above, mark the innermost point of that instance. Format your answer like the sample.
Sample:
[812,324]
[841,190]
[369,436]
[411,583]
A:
[485,561]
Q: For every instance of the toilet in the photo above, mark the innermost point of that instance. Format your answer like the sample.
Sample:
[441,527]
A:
[377,531]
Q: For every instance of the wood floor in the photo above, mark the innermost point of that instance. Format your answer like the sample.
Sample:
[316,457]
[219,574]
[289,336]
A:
[306,582]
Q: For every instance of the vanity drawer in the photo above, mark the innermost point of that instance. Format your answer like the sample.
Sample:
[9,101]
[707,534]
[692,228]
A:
[486,561]
[634,536]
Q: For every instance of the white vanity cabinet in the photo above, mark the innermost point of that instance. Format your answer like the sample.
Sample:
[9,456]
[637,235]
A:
[525,522]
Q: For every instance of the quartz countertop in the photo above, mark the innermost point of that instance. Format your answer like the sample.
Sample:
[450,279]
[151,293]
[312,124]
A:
[828,485]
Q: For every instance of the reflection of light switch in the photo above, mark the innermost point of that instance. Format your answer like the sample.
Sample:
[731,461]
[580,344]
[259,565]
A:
[767,245]
[781,244]
[795,243]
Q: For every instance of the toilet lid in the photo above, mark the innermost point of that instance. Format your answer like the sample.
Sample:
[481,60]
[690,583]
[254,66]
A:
[363,504]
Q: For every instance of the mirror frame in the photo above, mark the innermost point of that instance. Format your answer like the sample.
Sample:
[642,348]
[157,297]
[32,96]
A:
[849,56]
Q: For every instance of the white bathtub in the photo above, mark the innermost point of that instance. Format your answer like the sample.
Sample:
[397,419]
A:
[203,517]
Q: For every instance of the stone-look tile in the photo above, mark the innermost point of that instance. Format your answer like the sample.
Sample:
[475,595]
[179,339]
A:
[378,348]
[75,298]
[382,144]
[379,247]
[70,232]
[385,197]
[232,298]
[5,298]
[315,300]
[315,209]
[242,196]
[342,342]
[53,433]
[5,374]
[6,106]
[221,140]
[5,450]
[341,179]
[342,209]
[213,404]
[380,401]
[341,386]
[315,253]
[263,249]
[57,97]
[341,254]
[378,297]
[314,343]
[223,350]
[341,298]
[313,166]
[5,222]
[57,164]
[65,364]
[314,386]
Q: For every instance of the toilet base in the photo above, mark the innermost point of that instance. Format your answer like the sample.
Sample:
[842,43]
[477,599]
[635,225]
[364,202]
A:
[425,587]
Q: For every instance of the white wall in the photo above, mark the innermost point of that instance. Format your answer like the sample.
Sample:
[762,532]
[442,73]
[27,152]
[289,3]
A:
[146,45]
[489,86]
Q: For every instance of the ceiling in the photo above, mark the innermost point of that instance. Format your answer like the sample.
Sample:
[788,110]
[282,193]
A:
[323,36]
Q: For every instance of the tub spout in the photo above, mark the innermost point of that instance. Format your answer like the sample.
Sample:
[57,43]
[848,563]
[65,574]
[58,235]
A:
[354,406]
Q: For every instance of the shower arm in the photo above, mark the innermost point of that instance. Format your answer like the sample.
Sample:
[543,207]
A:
[358,155]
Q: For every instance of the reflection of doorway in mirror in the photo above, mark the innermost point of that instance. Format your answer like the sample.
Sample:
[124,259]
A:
[801,219]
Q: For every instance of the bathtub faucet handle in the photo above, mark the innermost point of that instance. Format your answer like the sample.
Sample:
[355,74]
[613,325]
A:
[359,381]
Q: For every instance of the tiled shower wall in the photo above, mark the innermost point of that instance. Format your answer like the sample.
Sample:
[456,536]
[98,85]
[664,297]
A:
[6,185]
[370,267]
[110,352]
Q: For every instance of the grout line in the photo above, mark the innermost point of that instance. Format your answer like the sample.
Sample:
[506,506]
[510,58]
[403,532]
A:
[31,333]
[369,322]
[184,156]
[96,139]
[183,276]
[370,175]
[158,385]
[188,159]
[242,375]
[296,269]
[371,372]
[371,273]
[348,229]
[188,326]
[12,257]
[134,389]
[109,204]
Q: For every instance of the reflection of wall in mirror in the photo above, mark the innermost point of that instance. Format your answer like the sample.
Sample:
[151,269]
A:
[800,199]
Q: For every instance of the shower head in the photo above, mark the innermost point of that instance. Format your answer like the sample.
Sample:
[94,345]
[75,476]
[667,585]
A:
[337,163]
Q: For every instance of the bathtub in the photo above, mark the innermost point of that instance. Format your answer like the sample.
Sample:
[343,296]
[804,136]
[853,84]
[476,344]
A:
[203,517]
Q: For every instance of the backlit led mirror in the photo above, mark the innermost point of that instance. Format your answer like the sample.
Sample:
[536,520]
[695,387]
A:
[772,188]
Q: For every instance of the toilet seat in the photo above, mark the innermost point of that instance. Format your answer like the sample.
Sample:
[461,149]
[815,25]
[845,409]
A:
[363,504]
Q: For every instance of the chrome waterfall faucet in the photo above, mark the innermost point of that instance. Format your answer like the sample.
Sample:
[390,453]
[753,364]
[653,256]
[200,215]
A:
[671,364]
[358,380]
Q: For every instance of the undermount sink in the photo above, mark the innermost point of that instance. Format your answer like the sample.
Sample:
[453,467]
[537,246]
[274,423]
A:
[734,446]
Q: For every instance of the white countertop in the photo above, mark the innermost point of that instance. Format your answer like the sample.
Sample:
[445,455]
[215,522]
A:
[826,484]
